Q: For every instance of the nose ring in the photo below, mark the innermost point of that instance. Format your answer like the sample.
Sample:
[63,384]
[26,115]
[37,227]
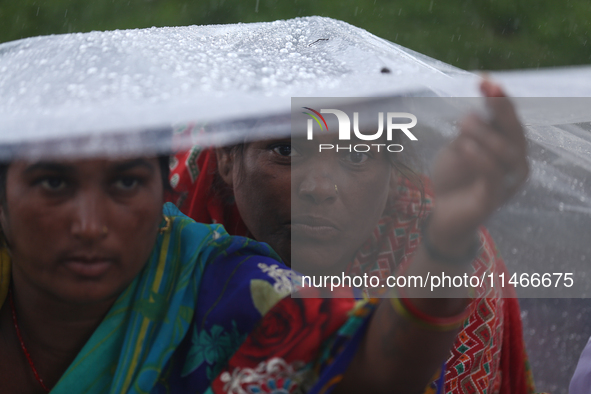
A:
[105,230]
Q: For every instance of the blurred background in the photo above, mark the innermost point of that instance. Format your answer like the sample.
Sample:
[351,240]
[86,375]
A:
[470,34]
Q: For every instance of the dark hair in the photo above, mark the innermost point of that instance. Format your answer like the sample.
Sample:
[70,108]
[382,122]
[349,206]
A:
[164,162]
[219,188]
[3,171]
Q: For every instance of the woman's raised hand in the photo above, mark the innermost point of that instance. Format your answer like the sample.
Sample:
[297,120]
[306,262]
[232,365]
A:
[477,173]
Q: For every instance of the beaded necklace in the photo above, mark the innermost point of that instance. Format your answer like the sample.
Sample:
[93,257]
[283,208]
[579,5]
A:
[20,338]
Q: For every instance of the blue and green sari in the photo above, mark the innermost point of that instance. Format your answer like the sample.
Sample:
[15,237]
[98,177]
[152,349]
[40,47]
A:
[212,313]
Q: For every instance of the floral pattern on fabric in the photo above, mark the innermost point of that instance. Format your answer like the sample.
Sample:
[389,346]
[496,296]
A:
[188,323]
[213,348]
[281,354]
[241,343]
[274,376]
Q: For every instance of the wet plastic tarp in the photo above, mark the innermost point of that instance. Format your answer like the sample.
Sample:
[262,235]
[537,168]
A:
[121,92]
[107,82]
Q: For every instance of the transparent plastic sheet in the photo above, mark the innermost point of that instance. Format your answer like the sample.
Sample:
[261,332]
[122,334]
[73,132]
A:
[573,81]
[123,93]
[106,82]
[543,229]
[541,232]
[128,82]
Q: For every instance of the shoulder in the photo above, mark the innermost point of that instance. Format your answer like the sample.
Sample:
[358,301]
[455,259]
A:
[210,240]
[255,280]
[180,224]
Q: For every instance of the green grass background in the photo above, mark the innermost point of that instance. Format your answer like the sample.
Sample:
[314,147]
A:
[471,34]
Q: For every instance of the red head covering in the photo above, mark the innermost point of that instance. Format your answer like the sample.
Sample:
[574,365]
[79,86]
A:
[200,193]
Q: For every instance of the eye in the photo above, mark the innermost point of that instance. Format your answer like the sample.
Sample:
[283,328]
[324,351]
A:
[126,183]
[284,149]
[357,157]
[53,183]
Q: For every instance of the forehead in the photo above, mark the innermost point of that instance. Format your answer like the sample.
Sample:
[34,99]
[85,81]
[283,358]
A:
[25,167]
[377,147]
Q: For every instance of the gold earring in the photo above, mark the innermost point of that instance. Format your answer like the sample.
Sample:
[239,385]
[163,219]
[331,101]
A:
[166,226]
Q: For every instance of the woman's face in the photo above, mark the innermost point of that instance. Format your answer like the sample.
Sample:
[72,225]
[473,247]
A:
[81,230]
[314,208]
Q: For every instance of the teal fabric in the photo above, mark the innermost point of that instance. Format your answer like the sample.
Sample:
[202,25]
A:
[131,349]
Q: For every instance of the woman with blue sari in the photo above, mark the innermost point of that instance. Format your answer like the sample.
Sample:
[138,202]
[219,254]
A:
[103,291]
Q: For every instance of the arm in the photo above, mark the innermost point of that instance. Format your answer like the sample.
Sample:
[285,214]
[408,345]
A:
[473,176]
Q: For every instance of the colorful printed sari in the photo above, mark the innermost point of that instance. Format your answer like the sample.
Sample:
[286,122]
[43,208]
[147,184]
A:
[208,314]
[488,355]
